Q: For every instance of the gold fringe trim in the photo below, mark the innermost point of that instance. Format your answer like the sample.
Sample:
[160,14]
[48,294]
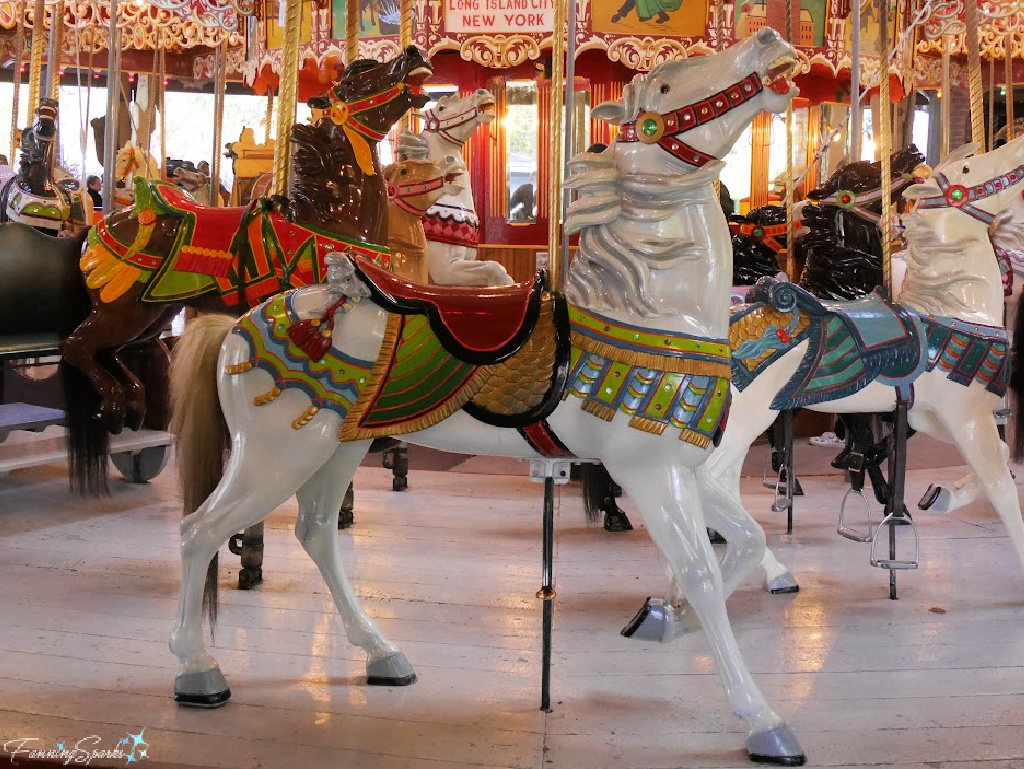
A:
[238,368]
[598,409]
[304,418]
[107,272]
[264,398]
[697,439]
[647,425]
[350,425]
[651,360]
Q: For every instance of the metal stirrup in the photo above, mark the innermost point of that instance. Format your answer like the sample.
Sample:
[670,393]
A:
[893,564]
[852,533]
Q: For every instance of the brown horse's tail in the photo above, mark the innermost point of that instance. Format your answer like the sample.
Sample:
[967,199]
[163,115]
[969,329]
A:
[200,433]
[88,441]
[1017,381]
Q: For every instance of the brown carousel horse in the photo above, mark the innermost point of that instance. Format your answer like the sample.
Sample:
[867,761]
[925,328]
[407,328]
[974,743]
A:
[142,265]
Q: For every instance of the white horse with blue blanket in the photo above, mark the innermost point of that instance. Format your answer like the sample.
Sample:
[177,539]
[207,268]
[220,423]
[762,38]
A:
[943,347]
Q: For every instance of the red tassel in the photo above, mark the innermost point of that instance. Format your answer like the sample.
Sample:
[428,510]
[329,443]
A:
[313,337]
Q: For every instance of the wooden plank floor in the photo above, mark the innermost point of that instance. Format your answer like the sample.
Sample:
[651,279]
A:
[88,591]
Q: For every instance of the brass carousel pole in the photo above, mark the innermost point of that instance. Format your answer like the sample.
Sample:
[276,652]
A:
[220,73]
[113,108]
[162,76]
[1008,43]
[944,101]
[351,31]
[405,22]
[19,60]
[855,108]
[977,91]
[35,66]
[885,144]
[288,92]
[268,121]
[790,176]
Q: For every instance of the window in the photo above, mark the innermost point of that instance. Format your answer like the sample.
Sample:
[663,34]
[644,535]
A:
[521,150]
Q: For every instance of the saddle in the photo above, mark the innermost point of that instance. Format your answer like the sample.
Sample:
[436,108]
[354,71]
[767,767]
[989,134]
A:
[500,354]
[207,249]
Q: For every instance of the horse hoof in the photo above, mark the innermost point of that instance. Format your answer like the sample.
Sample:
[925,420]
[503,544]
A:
[783,583]
[205,689]
[936,499]
[134,420]
[248,578]
[616,522]
[656,621]
[393,670]
[776,746]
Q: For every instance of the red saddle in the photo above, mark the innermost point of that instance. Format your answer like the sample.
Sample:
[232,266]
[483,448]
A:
[214,228]
[479,325]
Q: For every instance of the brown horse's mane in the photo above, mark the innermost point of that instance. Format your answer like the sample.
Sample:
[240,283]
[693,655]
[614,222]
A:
[320,156]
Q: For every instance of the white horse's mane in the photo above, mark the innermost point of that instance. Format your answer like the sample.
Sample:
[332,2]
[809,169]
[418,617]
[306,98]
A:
[613,267]
[926,288]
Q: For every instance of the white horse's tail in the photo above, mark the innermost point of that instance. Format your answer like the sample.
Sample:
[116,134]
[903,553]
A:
[201,436]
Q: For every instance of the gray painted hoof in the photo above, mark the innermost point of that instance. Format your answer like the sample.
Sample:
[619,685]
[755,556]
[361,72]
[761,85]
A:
[656,621]
[784,583]
[206,689]
[390,671]
[937,500]
[776,746]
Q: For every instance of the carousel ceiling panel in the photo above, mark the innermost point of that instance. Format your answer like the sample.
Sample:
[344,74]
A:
[639,33]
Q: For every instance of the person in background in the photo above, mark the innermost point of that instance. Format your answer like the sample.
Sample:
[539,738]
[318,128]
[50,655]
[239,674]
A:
[93,184]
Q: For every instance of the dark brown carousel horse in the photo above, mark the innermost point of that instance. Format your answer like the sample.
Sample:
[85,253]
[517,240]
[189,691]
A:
[34,195]
[144,264]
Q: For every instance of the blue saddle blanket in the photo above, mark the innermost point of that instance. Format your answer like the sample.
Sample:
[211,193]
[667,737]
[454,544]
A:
[850,344]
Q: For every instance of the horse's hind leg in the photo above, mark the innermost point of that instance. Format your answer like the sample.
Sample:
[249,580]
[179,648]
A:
[317,530]
[676,524]
[248,493]
[977,437]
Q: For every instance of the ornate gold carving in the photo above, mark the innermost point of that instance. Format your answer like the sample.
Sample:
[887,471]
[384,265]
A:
[500,51]
[648,52]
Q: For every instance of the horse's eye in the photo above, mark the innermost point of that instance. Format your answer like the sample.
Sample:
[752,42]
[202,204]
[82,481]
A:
[403,172]
[966,169]
[666,88]
[440,109]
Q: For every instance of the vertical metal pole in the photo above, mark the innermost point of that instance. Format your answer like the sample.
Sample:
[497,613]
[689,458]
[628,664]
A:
[288,93]
[113,108]
[855,110]
[19,60]
[788,466]
[555,262]
[547,591]
[789,200]
[885,143]
[570,126]
[53,51]
[991,103]
[219,87]
[1009,87]
[351,33]
[897,483]
[35,66]
[269,119]
[977,92]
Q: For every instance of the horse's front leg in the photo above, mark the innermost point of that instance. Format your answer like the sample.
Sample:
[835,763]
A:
[92,349]
[670,499]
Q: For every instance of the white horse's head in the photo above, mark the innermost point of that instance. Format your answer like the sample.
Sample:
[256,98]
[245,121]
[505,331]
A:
[132,161]
[965,192]
[686,114]
[456,117]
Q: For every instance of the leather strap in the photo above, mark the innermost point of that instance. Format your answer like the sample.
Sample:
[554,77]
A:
[964,198]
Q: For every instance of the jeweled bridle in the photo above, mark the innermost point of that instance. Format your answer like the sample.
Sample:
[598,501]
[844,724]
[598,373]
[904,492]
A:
[963,198]
[442,126]
[664,129]
[400,193]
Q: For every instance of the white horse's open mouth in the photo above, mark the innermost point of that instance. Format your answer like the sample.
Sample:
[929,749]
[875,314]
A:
[779,75]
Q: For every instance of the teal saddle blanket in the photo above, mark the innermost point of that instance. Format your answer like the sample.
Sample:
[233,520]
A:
[850,344]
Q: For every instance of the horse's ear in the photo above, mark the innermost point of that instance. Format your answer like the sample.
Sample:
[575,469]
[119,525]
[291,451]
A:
[959,155]
[613,112]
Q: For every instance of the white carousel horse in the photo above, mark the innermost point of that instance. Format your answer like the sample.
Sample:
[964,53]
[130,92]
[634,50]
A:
[648,295]
[451,224]
[131,161]
[951,298]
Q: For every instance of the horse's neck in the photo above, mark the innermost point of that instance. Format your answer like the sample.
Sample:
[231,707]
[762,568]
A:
[437,149]
[693,294]
[963,283]
[860,234]
[405,233]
